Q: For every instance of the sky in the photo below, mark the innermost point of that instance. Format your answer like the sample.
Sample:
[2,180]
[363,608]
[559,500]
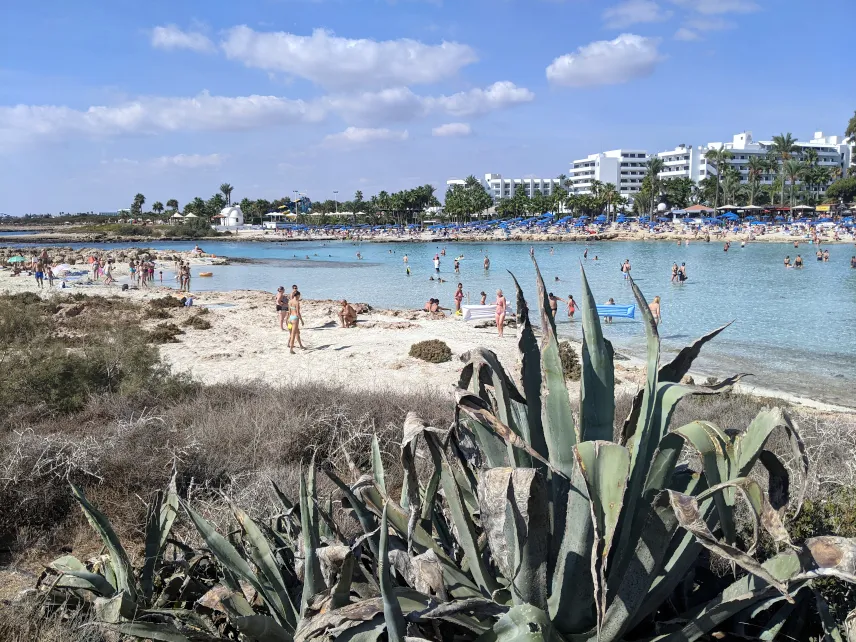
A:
[101,100]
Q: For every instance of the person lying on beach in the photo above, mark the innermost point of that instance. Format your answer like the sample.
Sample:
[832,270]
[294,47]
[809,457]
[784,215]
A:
[347,315]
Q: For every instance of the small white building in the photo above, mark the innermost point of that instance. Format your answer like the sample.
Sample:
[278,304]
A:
[232,216]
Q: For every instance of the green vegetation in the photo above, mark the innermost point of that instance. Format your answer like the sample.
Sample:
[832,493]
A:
[545,529]
[56,354]
[432,350]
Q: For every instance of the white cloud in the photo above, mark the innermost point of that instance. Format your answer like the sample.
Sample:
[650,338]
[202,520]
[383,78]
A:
[402,104]
[153,115]
[190,161]
[452,130]
[171,37]
[606,62]
[631,12]
[717,7]
[342,63]
[354,136]
[687,35]
[480,101]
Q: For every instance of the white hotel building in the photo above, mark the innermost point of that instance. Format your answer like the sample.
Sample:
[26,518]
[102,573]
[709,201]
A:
[499,187]
[684,161]
[624,168]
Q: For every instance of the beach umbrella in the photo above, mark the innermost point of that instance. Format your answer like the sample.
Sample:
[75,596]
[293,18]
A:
[16,259]
[191,215]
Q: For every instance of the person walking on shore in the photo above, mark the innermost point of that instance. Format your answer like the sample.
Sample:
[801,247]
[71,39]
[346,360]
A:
[572,306]
[295,318]
[501,309]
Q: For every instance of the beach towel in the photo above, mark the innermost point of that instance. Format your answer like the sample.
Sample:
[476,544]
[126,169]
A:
[476,312]
[617,311]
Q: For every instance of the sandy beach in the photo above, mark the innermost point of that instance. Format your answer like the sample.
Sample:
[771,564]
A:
[246,343]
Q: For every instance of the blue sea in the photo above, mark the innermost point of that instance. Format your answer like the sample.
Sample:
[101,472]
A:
[794,329]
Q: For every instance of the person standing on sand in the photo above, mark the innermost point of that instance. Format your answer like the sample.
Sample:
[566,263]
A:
[295,318]
[281,306]
[109,272]
[50,276]
[459,297]
[501,309]
[40,275]
[655,309]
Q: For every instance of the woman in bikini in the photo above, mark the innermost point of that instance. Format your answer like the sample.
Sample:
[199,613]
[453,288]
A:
[281,306]
[295,319]
[501,309]
[572,306]
[655,309]
[459,296]
[483,300]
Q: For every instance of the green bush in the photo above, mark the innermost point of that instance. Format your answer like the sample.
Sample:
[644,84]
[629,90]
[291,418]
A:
[432,350]
[165,333]
[570,361]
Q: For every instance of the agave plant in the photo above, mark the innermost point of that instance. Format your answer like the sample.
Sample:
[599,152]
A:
[522,521]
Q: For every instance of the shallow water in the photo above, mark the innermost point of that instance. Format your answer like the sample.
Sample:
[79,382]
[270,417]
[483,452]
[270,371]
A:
[794,329]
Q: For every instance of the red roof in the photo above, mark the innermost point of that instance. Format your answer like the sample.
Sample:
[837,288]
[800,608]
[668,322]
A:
[698,208]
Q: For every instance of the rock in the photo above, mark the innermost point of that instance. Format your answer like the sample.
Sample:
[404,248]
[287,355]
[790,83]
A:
[688,380]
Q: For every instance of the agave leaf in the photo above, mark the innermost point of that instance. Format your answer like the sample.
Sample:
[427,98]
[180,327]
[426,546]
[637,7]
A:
[377,466]
[523,623]
[674,372]
[488,358]
[151,631]
[466,532]
[597,385]
[750,444]
[557,419]
[161,515]
[530,376]
[779,479]
[366,519]
[513,508]
[742,594]
[605,467]
[571,601]
[850,626]
[687,511]
[313,581]
[341,594]
[112,610]
[124,572]
[475,407]
[225,600]
[85,580]
[287,504]
[263,557]
[764,513]
[262,628]
[830,556]
[413,427]
[396,627]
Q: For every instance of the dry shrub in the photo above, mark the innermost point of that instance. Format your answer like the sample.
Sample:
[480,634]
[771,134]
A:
[571,366]
[432,350]
[27,622]
[166,302]
[197,323]
[164,333]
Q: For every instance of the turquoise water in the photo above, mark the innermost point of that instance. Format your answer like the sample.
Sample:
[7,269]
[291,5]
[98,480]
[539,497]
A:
[794,329]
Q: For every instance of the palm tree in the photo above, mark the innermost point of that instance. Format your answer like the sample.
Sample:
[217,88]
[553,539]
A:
[850,132]
[793,170]
[756,167]
[719,158]
[226,190]
[784,145]
[610,196]
[172,204]
[157,207]
[655,166]
[731,187]
[596,187]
